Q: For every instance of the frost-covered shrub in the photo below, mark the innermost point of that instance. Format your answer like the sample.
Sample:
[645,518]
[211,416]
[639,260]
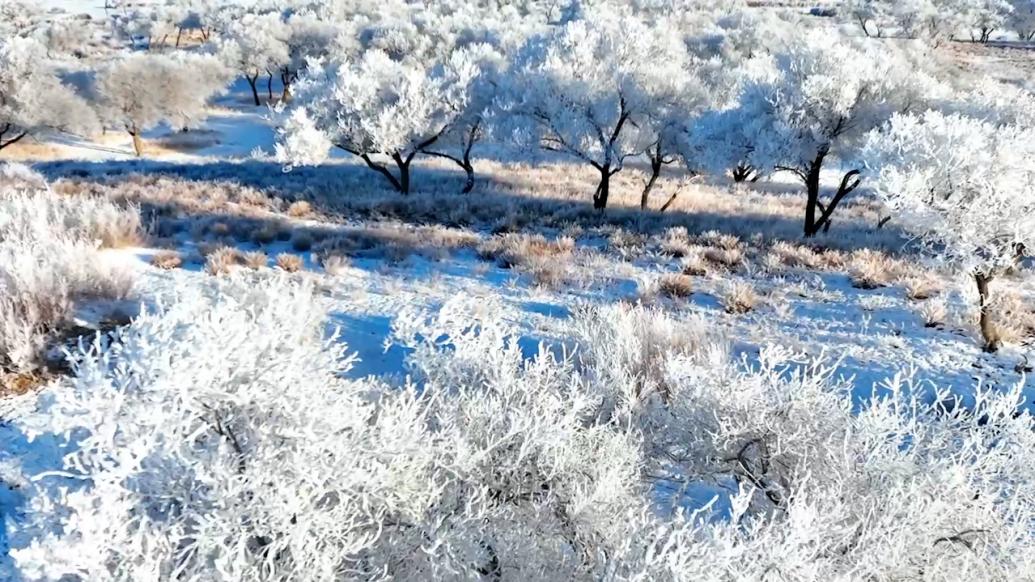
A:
[49,261]
[221,439]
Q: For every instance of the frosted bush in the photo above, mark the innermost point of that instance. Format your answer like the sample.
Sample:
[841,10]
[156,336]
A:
[221,438]
[49,261]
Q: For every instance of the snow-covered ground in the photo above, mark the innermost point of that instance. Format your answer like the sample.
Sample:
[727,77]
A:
[827,311]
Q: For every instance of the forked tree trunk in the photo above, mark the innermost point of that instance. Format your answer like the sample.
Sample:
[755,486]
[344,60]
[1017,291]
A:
[464,159]
[743,173]
[465,165]
[253,82]
[862,23]
[988,331]
[403,164]
[817,215]
[401,183]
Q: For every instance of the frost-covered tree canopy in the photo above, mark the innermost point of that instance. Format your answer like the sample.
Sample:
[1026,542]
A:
[814,101]
[965,186]
[590,89]
[255,45]
[514,385]
[143,90]
[33,97]
[379,105]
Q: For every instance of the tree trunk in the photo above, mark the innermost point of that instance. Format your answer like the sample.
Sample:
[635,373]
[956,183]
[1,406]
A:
[138,144]
[862,23]
[285,80]
[603,189]
[269,85]
[13,139]
[179,33]
[987,328]
[404,171]
[469,184]
[669,202]
[742,172]
[812,193]
[252,82]
[655,171]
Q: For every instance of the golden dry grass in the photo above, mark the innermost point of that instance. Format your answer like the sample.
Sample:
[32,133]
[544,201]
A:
[167,260]
[676,286]
[289,262]
[222,260]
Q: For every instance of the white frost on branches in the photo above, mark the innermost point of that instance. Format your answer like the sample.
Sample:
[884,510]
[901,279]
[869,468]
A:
[32,96]
[594,88]
[142,90]
[813,102]
[378,105]
[966,187]
[217,439]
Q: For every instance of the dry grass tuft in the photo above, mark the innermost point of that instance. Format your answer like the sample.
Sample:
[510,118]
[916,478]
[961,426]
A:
[933,312]
[222,260]
[267,234]
[219,229]
[335,265]
[695,264]
[547,261]
[255,260]
[726,258]
[167,260]
[15,384]
[49,262]
[300,209]
[676,285]
[519,250]
[626,243]
[1012,316]
[676,242]
[793,255]
[869,269]
[394,241]
[921,286]
[738,297]
[289,262]
[721,240]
